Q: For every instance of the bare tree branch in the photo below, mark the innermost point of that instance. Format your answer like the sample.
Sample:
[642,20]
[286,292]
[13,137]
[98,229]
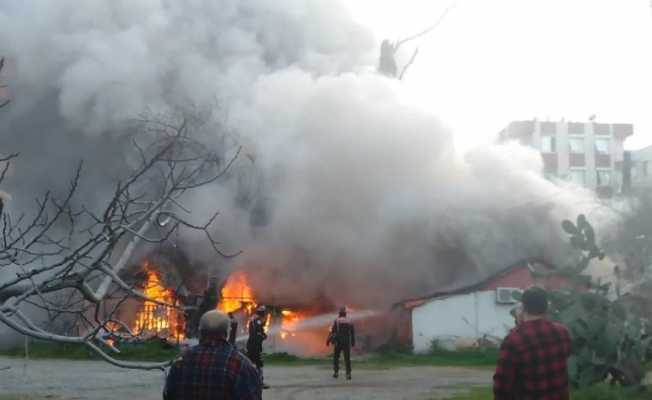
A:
[70,261]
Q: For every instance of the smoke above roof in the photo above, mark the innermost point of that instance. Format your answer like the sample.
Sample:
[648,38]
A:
[345,190]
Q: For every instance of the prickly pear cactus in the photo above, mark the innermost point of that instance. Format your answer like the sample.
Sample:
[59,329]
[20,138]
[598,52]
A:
[608,341]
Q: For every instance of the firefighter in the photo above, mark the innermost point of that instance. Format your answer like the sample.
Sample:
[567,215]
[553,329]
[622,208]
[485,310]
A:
[342,336]
[233,329]
[257,335]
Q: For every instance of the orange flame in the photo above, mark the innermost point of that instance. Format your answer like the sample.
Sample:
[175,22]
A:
[155,318]
[237,294]
[289,321]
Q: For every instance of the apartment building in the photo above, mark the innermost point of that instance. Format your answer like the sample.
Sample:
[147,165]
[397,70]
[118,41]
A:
[590,154]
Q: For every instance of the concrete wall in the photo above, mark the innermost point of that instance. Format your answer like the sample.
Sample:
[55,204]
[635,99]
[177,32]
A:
[642,169]
[460,318]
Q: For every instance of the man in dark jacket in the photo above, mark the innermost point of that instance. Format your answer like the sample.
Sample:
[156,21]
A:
[255,341]
[233,329]
[213,369]
[342,336]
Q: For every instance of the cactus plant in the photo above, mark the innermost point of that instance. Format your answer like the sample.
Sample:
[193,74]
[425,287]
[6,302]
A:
[608,340]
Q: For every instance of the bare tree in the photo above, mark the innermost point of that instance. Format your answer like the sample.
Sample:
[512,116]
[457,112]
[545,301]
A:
[69,259]
[387,64]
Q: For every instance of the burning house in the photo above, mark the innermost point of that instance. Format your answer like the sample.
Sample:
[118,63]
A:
[346,192]
[164,315]
[174,307]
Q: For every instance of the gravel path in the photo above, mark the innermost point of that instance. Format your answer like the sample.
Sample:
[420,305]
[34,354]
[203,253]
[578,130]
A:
[94,380]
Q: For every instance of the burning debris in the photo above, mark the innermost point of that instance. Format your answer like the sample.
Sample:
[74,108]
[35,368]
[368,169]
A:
[236,294]
[155,319]
[281,323]
[301,328]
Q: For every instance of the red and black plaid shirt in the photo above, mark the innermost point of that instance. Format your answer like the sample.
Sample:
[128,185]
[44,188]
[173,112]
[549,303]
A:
[532,362]
[213,370]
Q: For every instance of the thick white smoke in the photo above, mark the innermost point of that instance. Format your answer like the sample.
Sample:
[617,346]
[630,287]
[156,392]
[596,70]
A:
[109,60]
[374,203]
[353,194]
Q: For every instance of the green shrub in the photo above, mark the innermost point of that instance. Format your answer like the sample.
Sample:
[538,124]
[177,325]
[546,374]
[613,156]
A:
[609,341]
[153,350]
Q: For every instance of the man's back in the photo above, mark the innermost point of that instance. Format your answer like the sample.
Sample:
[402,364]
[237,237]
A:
[532,363]
[213,370]
[344,331]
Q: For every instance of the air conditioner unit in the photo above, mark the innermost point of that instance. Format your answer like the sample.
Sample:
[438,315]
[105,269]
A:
[505,295]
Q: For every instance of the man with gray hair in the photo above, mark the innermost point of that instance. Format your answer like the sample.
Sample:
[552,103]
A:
[214,369]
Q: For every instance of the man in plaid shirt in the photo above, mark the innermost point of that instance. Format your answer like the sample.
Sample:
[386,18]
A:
[214,369]
[532,361]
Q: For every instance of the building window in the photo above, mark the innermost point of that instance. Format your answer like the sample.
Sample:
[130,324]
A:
[575,128]
[602,146]
[601,129]
[548,144]
[644,168]
[576,145]
[603,177]
[548,128]
[578,176]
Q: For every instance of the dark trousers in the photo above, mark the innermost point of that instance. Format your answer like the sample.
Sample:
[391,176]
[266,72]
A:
[347,358]
[255,356]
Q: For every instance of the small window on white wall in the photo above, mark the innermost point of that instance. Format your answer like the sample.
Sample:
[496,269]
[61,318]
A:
[602,146]
[578,176]
[548,144]
[576,145]
[603,177]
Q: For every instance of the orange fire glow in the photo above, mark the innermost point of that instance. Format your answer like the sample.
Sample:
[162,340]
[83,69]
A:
[289,321]
[237,294]
[290,329]
[157,319]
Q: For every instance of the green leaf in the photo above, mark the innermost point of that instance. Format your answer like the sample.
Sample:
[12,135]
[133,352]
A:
[587,377]
[589,234]
[569,227]
[619,311]
[572,368]
[578,242]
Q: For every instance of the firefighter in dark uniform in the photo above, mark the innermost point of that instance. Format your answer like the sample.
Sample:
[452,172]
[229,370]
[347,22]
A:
[342,336]
[233,329]
[257,335]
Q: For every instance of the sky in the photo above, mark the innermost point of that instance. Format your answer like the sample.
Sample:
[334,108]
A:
[490,62]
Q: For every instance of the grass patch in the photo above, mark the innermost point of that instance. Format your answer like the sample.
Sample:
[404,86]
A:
[476,394]
[598,392]
[289,360]
[148,351]
[458,358]
[155,351]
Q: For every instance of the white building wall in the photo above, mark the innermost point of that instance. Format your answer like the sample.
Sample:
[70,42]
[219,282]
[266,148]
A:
[590,157]
[563,151]
[642,169]
[459,318]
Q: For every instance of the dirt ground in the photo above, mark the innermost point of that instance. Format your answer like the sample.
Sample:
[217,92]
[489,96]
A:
[94,380]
